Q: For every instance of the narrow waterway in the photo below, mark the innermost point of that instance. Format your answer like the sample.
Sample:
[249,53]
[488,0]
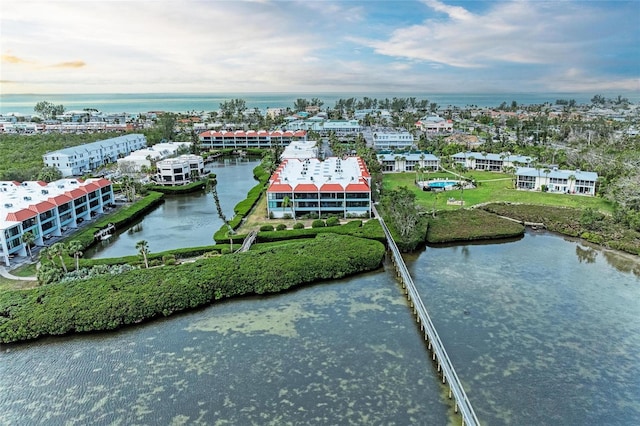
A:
[184,220]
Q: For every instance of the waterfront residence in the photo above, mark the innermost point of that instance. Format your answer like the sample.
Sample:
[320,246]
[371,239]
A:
[408,161]
[386,139]
[491,162]
[47,210]
[77,160]
[333,187]
[556,180]
[380,114]
[241,139]
[340,128]
[434,124]
[144,157]
[300,150]
[180,170]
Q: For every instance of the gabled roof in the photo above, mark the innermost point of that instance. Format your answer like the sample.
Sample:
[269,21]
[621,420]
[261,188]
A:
[361,186]
[102,182]
[59,200]
[76,193]
[279,187]
[332,187]
[20,215]
[42,206]
[306,187]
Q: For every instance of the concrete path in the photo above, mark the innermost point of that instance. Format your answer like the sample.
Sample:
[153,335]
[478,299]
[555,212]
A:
[6,274]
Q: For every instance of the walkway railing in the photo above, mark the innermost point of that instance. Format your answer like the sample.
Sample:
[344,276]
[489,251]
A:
[248,241]
[439,354]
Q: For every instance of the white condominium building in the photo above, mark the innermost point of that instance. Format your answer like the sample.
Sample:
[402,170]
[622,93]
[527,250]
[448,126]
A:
[47,209]
[339,187]
[77,160]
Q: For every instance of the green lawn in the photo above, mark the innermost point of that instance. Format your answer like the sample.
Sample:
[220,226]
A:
[492,187]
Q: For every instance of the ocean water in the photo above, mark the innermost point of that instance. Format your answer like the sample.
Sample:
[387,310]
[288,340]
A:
[183,102]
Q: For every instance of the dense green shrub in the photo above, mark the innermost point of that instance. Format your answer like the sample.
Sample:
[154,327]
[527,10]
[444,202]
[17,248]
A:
[169,259]
[589,224]
[470,224]
[182,189]
[370,230]
[266,228]
[333,221]
[318,223]
[105,303]
[281,227]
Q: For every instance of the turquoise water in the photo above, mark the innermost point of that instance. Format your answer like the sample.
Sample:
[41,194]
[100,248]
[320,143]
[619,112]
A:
[183,102]
[442,184]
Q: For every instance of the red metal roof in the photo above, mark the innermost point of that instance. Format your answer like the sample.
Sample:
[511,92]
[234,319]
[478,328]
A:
[42,206]
[76,193]
[102,182]
[306,187]
[20,215]
[332,187]
[279,187]
[252,133]
[358,187]
[90,187]
[59,200]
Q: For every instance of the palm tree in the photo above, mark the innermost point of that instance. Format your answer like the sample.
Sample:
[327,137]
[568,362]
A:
[546,172]
[538,167]
[143,248]
[74,248]
[27,239]
[435,200]
[571,178]
[286,202]
[46,253]
[58,249]
[460,185]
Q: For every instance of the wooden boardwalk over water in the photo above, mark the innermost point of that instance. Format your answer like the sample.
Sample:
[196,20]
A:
[434,344]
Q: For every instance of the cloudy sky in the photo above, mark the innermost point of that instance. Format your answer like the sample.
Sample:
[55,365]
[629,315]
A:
[473,46]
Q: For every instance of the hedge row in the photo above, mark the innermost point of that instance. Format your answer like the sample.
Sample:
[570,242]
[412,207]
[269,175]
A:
[106,303]
[120,218]
[181,189]
[370,229]
[181,253]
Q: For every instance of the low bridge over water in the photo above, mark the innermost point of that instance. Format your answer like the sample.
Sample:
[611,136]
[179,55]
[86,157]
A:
[434,344]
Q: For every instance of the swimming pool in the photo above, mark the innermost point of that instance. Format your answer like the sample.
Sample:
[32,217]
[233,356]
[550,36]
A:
[442,184]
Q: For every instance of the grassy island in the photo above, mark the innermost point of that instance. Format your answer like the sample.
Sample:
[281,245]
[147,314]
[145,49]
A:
[468,225]
[109,302]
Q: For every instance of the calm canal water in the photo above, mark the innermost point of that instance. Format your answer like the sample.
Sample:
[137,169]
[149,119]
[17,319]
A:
[184,220]
[544,330]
